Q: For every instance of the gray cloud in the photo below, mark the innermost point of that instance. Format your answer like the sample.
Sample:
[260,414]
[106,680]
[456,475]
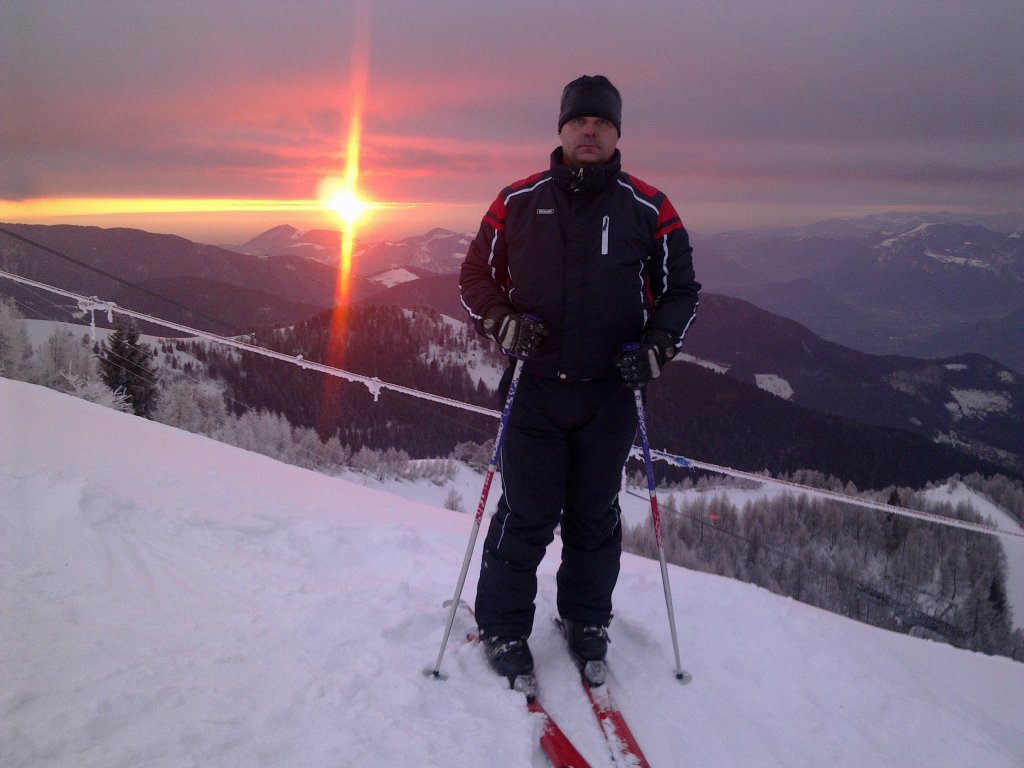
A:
[800,99]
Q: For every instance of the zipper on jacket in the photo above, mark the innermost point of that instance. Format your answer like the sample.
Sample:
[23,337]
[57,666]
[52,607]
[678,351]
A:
[604,235]
[577,182]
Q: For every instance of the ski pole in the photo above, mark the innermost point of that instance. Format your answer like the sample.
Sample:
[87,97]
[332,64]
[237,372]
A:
[491,467]
[681,676]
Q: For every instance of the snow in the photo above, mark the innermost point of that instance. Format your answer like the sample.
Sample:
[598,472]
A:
[40,331]
[479,365]
[918,230]
[635,501]
[711,366]
[172,601]
[393,277]
[948,258]
[774,384]
[976,403]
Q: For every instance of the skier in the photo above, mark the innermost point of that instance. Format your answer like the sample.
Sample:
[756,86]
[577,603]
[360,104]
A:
[568,266]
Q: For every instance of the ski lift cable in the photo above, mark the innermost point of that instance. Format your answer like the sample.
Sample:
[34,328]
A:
[375,385]
[930,517]
[372,383]
[116,279]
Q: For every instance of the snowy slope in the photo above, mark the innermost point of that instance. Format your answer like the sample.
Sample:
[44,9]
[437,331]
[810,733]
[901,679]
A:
[171,601]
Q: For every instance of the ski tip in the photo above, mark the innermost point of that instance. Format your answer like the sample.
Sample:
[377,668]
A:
[434,674]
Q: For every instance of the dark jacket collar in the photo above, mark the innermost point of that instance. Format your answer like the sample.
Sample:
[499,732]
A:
[586,179]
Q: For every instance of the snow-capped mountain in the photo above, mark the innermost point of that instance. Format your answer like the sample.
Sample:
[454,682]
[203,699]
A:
[170,600]
[316,244]
[905,221]
[439,250]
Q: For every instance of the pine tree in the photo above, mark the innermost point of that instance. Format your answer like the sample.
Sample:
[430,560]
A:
[126,365]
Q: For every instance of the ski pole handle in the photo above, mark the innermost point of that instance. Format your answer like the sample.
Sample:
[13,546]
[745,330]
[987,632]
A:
[628,363]
[532,331]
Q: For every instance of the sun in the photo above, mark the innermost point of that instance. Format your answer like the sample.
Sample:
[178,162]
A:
[337,196]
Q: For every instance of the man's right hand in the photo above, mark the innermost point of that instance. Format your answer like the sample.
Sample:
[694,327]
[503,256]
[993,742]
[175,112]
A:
[518,334]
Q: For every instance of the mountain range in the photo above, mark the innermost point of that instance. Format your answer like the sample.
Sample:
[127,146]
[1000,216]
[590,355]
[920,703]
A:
[962,399]
[924,285]
[910,285]
[439,250]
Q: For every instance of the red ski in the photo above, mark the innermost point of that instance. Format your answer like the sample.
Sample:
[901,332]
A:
[625,750]
[554,742]
[621,742]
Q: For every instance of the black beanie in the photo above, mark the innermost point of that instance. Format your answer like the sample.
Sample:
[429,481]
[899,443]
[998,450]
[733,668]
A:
[591,97]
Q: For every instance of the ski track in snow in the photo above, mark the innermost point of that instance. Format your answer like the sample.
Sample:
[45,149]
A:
[170,601]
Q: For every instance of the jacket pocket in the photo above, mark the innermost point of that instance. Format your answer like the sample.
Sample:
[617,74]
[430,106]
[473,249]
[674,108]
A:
[605,222]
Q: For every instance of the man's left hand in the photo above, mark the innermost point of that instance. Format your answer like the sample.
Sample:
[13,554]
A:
[641,365]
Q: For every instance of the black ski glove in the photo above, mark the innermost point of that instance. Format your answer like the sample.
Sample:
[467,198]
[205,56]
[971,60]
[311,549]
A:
[643,363]
[518,334]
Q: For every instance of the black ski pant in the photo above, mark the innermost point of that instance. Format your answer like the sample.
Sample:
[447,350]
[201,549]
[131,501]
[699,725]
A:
[561,462]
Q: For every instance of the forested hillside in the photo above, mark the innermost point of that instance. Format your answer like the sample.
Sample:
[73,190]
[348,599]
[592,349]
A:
[694,411]
[927,580]
[698,412]
[419,349]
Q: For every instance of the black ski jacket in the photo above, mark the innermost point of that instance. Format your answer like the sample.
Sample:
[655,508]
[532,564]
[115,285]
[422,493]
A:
[598,255]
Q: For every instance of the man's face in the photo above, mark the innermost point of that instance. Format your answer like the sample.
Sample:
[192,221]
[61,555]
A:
[588,141]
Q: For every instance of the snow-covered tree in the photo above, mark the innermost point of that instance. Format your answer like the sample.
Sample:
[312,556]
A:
[196,406]
[15,350]
[93,389]
[64,357]
[453,500]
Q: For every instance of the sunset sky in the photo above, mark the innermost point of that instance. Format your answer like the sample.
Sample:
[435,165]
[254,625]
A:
[219,119]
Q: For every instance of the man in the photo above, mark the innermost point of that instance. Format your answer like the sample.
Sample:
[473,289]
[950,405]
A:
[570,265]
